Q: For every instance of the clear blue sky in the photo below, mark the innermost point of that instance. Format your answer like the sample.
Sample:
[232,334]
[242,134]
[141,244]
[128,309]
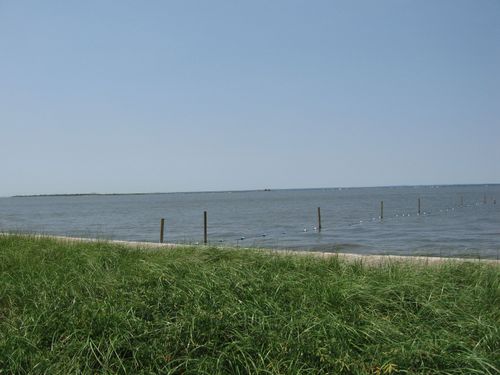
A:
[148,96]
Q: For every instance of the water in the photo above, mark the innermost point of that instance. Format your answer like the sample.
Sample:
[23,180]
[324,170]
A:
[281,219]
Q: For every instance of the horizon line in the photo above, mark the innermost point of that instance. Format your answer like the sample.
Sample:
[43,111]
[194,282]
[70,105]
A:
[240,190]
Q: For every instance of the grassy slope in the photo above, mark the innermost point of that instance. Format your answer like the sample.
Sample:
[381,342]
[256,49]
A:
[97,307]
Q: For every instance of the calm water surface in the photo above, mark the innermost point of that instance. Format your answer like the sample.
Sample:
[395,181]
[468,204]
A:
[281,218]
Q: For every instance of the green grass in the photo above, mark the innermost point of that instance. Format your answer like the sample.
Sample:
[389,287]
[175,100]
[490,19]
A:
[102,308]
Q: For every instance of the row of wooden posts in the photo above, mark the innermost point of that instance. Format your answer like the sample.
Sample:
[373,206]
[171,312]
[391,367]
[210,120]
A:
[205,228]
[205,220]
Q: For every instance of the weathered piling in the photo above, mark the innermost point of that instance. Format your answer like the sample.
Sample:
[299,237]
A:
[381,210]
[418,211]
[205,232]
[162,228]
[319,219]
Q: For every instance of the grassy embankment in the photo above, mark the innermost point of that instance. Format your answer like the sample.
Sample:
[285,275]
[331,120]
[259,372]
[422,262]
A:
[103,308]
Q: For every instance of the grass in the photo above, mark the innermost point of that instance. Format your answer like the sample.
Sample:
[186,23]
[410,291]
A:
[102,308]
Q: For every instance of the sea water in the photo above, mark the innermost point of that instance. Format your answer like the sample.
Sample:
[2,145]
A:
[460,220]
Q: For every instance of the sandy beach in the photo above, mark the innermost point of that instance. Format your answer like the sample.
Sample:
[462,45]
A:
[370,259]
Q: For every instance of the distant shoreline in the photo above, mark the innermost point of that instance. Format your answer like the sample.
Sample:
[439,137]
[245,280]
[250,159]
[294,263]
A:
[156,193]
[245,191]
[76,195]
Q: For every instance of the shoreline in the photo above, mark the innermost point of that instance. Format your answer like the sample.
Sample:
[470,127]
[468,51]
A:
[370,259]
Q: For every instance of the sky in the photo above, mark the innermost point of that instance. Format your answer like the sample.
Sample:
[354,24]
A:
[163,96]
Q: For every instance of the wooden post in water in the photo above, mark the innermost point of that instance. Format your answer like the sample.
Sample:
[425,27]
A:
[381,210]
[162,227]
[319,219]
[205,233]
[418,206]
